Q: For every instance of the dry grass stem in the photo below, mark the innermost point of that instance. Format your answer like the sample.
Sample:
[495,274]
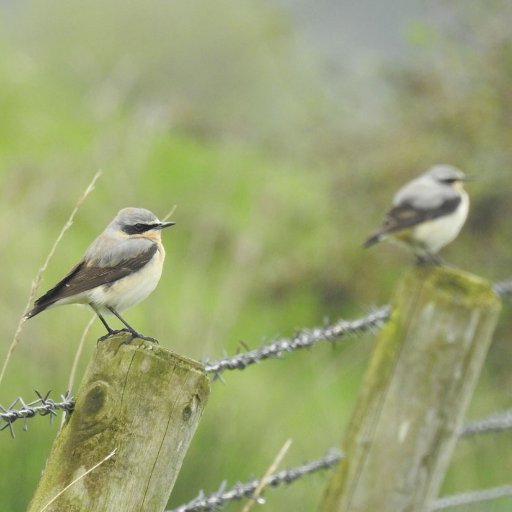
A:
[37,280]
[266,477]
[78,353]
[172,210]
[110,455]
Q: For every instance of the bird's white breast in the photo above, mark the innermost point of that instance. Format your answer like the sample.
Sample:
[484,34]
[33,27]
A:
[437,233]
[132,289]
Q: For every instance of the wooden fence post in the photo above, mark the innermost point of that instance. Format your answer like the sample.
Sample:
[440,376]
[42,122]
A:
[141,400]
[417,386]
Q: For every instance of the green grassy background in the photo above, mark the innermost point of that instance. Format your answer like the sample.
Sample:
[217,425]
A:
[279,167]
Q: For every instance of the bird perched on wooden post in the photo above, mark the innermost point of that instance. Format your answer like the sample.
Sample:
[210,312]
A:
[427,213]
[120,269]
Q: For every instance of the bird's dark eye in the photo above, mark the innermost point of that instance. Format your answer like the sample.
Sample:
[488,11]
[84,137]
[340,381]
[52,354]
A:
[138,228]
[449,181]
[134,229]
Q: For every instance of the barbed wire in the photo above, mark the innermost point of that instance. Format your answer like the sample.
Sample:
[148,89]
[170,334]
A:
[42,406]
[309,337]
[503,288]
[216,500]
[471,497]
[498,422]
[303,339]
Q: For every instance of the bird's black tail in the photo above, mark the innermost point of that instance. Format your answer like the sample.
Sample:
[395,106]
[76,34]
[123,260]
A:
[372,240]
[44,302]
[52,295]
[37,309]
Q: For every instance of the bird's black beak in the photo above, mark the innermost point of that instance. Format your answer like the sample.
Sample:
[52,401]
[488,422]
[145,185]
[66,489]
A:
[163,225]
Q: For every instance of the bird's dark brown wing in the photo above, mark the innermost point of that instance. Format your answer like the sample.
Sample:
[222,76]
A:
[406,215]
[84,277]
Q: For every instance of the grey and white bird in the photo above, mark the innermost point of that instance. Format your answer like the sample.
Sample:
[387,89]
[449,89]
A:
[120,269]
[427,213]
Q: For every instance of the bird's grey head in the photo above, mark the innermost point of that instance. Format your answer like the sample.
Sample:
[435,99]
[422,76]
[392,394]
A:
[133,221]
[446,174]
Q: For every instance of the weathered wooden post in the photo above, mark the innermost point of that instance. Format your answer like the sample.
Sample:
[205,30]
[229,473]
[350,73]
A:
[141,400]
[418,384]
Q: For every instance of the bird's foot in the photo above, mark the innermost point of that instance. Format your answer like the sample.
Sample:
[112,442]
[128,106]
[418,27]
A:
[145,338]
[429,259]
[113,333]
[134,334]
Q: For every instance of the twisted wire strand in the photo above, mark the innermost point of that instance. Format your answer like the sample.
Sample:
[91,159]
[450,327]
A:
[42,406]
[216,500]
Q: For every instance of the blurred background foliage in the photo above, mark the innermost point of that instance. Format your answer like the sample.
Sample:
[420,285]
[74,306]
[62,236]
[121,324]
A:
[281,152]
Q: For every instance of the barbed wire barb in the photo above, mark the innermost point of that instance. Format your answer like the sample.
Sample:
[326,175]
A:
[303,339]
[216,500]
[42,406]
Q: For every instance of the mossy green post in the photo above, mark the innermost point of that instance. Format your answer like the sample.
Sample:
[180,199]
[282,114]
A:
[419,382]
[141,400]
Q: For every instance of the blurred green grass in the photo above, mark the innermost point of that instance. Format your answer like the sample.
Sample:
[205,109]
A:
[278,173]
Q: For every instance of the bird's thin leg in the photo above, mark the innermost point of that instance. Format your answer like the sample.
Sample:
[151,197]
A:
[134,333]
[438,260]
[428,258]
[422,259]
[110,331]
[424,256]
[104,322]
